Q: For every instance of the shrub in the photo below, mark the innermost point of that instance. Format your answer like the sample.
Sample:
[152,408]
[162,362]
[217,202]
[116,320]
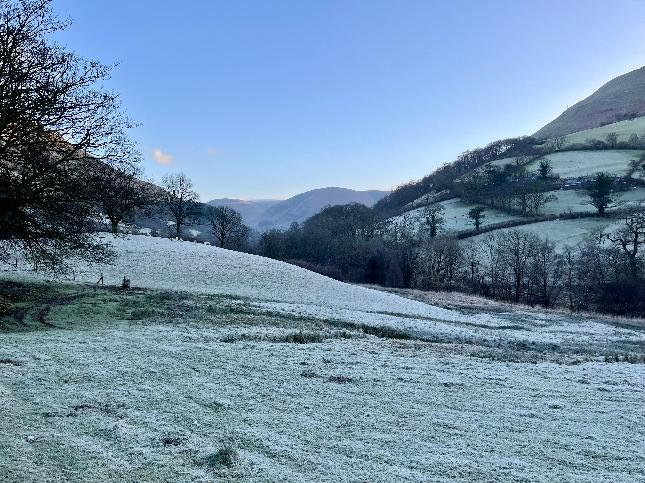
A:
[340,379]
[172,440]
[142,313]
[300,337]
[5,307]
[226,456]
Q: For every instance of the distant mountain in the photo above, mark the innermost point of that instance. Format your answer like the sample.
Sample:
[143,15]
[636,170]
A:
[265,214]
[619,99]
[251,210]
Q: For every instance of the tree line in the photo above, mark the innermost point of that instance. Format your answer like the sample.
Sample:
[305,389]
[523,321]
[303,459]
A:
[351,243]
[605,273]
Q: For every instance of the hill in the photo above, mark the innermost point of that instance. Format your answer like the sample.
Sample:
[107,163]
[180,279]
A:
[619,99]
[593,136]
[265,214]
[250,369]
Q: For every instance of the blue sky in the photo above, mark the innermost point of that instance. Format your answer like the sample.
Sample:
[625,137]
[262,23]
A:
[266,99]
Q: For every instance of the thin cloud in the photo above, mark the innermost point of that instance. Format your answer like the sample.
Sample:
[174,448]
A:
[212,152]
[164,159]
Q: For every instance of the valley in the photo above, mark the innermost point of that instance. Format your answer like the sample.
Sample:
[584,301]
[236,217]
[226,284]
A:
[178,305]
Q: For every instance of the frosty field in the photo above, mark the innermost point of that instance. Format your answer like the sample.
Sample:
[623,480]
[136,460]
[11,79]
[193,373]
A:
[564,232]
[456,216]
[624,129]
[576,201]
[297,377]
[570,164]
[573,164]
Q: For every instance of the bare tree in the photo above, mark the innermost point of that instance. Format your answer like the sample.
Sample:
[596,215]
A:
[122,194]
[569,267]
[522,188]
[517,250]
[180,199]
[535,201]
[629,238]
[227,226]
[56,122]
[438,264]
[612,140]
[546,272]
[493,263]
[558,142]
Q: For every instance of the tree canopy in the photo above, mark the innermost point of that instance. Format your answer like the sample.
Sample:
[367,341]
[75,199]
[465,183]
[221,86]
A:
[57,123]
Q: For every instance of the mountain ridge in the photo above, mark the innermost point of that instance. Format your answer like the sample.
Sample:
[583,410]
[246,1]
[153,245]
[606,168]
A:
[621,98]
[266,214]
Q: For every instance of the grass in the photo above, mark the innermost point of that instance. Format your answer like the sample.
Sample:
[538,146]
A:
[577,201]
[562,232]
[300,336]
[456,216]
[624,129]
[101,398]
[571,164]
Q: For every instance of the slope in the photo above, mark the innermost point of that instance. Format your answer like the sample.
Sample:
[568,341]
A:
[149,385]
[619,99]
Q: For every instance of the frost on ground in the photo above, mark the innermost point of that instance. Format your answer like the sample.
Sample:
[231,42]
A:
[568,164]
[259,371]
[267,284]
[455,216]
[562,232]
[624,129]
[576,201]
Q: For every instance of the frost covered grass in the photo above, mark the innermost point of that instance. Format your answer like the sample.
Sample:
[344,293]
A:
[161,263]
[253,370]
[577,201]
[624,129]
[570,164]
[456,216]
[563,232]
[254,285]
[103,398]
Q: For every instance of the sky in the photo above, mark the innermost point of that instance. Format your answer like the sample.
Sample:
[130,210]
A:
[270,98]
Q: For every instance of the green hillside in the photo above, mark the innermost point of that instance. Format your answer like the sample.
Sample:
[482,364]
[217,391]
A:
[540,183]
[624,130]
[564,214]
